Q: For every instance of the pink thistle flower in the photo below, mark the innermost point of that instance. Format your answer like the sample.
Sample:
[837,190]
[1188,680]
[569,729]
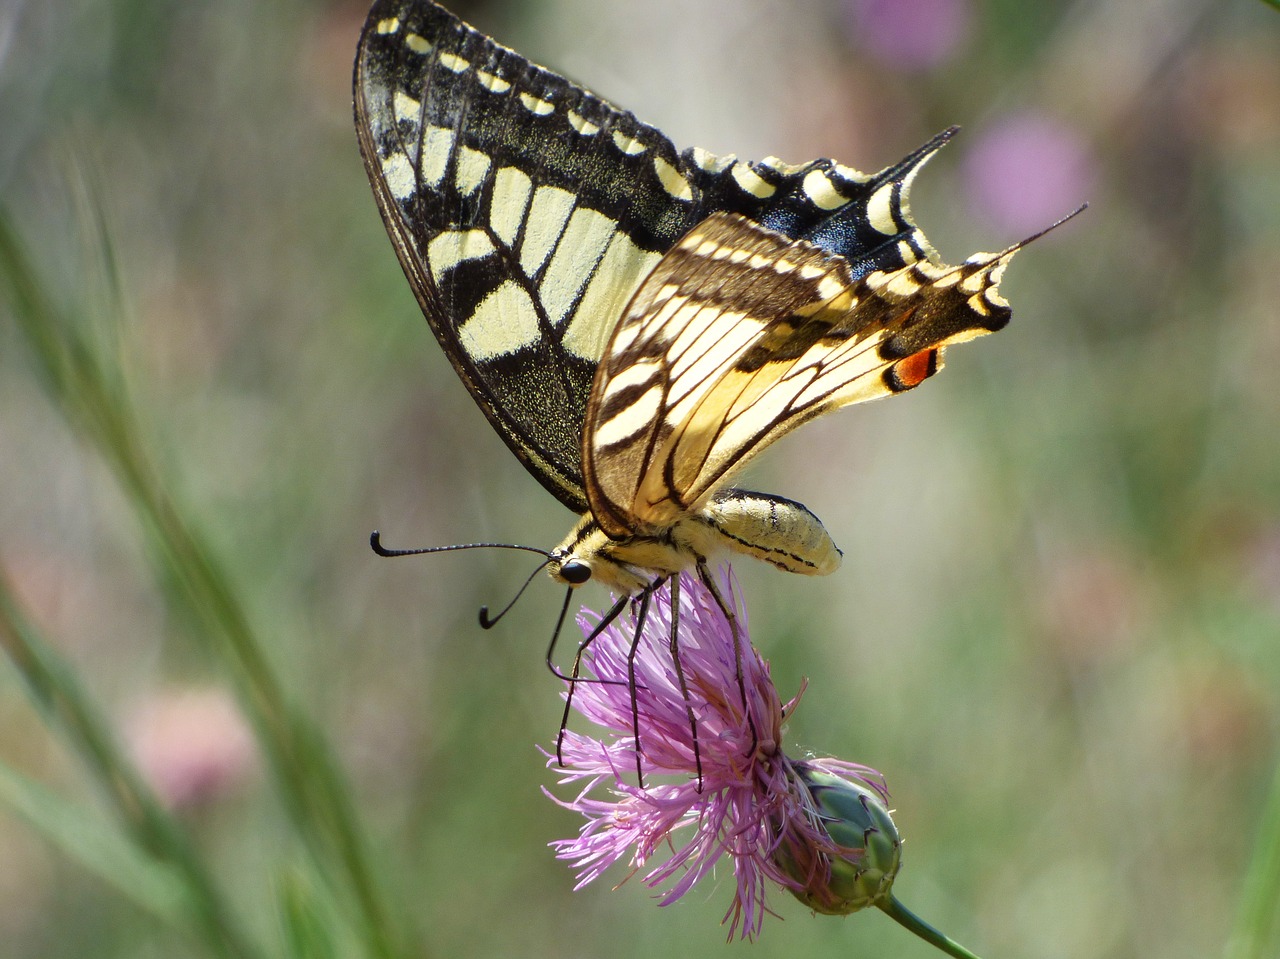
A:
[910,35]
[192,746]
[764,811]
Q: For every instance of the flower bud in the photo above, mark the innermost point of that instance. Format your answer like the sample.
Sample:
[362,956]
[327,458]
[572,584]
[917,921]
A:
[848,858]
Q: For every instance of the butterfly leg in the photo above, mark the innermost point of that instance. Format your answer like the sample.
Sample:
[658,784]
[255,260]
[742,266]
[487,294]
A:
[641,615]
[573,678]
[555,637]
[674,646]
[704,574]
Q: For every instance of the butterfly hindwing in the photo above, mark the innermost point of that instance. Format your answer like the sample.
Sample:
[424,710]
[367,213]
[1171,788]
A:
[739,335]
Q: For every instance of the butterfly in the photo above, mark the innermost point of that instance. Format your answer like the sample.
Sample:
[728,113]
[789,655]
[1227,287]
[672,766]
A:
[637,322]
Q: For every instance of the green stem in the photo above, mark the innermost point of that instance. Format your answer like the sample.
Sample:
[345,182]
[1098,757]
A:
[903,916]
[1255,921]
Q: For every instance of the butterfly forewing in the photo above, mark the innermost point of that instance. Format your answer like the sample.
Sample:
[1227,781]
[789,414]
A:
[525,212]
[741,334]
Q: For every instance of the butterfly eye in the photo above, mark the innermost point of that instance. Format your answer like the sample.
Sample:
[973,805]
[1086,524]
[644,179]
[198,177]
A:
[575,573]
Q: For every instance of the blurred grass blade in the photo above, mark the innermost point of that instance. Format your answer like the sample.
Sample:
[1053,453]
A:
[155,886]
[65,707]
[308,920]
[302,766]
[1260,898]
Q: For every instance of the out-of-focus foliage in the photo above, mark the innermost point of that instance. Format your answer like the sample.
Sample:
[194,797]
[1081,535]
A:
[1057,628]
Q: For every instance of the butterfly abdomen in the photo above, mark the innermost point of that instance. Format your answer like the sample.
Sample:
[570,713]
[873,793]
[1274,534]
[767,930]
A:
[778,531]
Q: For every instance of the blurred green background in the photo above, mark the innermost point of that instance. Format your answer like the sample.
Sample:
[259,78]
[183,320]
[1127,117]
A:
[1056,629]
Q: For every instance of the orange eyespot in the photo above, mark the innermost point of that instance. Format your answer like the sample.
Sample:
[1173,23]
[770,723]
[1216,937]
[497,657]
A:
[914,370]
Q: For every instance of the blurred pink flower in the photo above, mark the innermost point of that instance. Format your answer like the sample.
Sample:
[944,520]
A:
[1028,170]
[752,803]
[192,746]
[909,34]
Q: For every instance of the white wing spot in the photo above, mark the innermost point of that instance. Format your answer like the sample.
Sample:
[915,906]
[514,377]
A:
[406,107]
[417,44]
[511,190]
[398,175]
[819,188]
[582,124]
[548,216]
[472,168]
[880,210]
[505,321]
[671,180]
[628,145]
[903,284]
[449,249]
[752,182]
[451,61]
[907,252]
[437,145]
[849,173]
[389,25]
[829,287]
[637,374]
[616,278]
[910,178]
[978,306]
[536,106]
[630,420]
[782,166]
[585,237]
[492,83]
[706,160]
[623,336]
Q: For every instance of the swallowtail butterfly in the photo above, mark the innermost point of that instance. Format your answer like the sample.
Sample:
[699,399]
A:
[638,322]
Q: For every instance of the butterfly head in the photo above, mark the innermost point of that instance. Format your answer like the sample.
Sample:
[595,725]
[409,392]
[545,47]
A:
[626,566]
[571,570]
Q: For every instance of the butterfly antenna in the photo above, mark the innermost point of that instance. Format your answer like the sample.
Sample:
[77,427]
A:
[486,622]
[375,543]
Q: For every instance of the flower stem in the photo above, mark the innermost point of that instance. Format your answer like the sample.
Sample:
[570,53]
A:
[900,914]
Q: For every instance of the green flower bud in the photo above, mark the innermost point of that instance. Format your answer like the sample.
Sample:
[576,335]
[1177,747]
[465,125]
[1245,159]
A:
[849,857]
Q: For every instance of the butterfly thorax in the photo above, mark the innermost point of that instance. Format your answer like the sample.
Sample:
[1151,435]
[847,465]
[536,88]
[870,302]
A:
[778,531]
